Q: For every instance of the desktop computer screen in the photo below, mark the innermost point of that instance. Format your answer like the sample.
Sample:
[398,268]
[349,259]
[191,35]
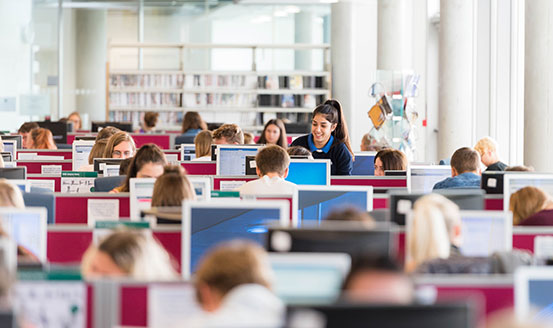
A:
[18,138]
[423,178]
[101,163]
[309,172]
[59,130]
[27,227]
[81,150]
[11,147]
[363,164]
[123,126]
[140,196]
[486,232]
[187,152]
[534,293]
[202,187]
[231,159]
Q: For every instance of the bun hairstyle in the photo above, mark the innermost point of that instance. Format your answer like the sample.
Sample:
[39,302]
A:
[332,111]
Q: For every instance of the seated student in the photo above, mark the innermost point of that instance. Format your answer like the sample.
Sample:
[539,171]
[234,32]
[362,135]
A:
[172,187]
[42,139]
[272,168]
[389,159]
[126,253]
[149,122]
[228,134]
[202,144]
[25,132]
[299,151]
[120,145]
[528,201]
[465,170]
[233,286]
[350,214]
[97,151]
[106,132]
[75,118]
[329,138]
[368,143]
[377,279]
[192,124]
[147,163]
[248,138]
[124,166]
[487,148]
[274,133]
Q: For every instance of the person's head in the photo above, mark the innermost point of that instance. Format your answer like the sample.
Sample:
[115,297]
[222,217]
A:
[120,145]
[10,195]
[389,159]
[227,266]
[203,141]
[299,151]
[328,119]
[465,160]
[193,121]
[435,227]
[106,132]
[527,201]
[131,254]
[172,187]
[97,150]
[148,162]
[350,214]
[228,134]
[42,139]
[272,159]
[274,133]
[368,143]
[487,149]
[124,166]
[75,118]
[377,279]
[519,168]
[25,132]
[248,138]
[150,120]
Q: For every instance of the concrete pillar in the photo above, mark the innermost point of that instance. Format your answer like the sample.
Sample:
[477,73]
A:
[456,94]
[90,65]
[538,80]
[303,33]
[395,34]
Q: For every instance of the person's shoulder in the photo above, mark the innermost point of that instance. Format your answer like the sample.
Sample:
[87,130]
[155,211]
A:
[541,218]
[301,141]
[442,184]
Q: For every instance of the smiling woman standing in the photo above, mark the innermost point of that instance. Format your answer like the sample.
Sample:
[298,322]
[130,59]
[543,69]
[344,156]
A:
[329,138]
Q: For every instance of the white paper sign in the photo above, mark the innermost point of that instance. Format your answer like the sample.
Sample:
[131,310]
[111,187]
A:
[102,210]
[77,185]
[171,305]
[27,155]
[51,170]
[230,185]
[42,183]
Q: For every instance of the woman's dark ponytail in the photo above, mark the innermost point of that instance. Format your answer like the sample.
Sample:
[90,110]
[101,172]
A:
[332,110]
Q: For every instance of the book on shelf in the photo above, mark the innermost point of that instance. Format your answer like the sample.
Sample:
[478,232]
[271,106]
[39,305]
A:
[294,82]
[174,81]
[165,99]
[193,100]
[290,100]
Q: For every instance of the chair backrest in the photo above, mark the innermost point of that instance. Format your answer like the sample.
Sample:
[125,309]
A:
[106,184]
[184,139]
[42,199]
[64,146]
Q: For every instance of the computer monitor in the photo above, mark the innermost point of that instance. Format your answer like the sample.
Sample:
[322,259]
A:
[23,185]
[363,163]
[316,202]
[81,150]
[307,278]
[11,147]
[27,227]
[187,152]
[309,172]
[297,128]
[213,152]
[231,159]
[123,126]
[251,165]
[18,138]
[100,163]
[211,126]
[140,196]
[59,130]
[86,138]
[486,232]
[345,315]
[7,156]
[514,182]
[534,293]
[206,224]
[202,187]
[424,177]
[19,172]
[402,202]
[352,238]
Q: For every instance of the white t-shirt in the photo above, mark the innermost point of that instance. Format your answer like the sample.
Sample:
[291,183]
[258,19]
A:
[202,159]
[267,186]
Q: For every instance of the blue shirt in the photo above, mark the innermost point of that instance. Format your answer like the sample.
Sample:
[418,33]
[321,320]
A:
[465,180]
[336,151]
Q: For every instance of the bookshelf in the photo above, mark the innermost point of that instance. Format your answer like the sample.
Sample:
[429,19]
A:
[132,92]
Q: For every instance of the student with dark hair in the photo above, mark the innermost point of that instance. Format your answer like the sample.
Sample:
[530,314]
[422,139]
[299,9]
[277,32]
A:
[25,132]
[228,134]
[124,166]
[172,187]
[465,170]
[274,133]
[299,151]
[149,122]
[389,159]
[106,132]
[329,138]
[192,124]
[147,163]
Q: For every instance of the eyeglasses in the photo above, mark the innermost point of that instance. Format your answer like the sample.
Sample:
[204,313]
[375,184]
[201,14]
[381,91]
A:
[120,154]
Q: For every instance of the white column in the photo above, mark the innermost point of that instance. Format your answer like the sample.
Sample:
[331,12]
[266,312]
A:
[456,76]
[353,52]
[538,80]
[91,51]
[395,34]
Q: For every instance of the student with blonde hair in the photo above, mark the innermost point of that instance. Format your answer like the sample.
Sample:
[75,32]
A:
[42,138]
[203,141]
[488,150]
[10,195]
[233,284]
[127,253]
[120,145]
[228,134]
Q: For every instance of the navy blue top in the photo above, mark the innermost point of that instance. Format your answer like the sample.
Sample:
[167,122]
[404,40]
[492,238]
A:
[336,151]
[465,180]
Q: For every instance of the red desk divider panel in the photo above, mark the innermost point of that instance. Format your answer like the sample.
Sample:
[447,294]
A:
[495,297]
[134,306]
[523,237]
[217,180]
[72,208]
[493,204]
[35,167]
[171,241]
[377,182]
[173,152]
[200,168]
[66,153]
[65,247]
[57,181]
[380,201]
[288,139]
[162,140]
